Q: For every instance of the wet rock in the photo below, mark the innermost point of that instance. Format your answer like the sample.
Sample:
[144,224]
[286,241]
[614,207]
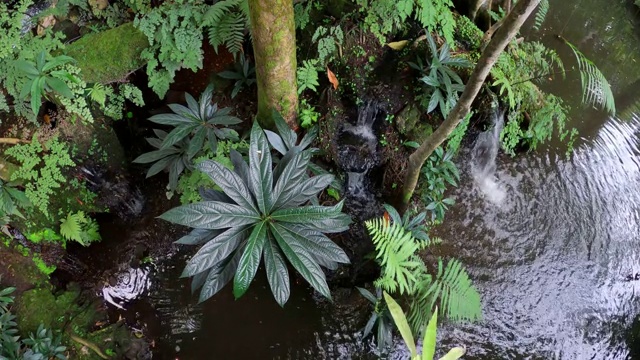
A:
[410,126]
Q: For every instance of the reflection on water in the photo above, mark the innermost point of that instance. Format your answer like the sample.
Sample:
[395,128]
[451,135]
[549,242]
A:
[552,261]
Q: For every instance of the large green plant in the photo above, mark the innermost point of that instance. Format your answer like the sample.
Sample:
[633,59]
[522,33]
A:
[42,79]
[198,122]
[442,81]
[261,212]
[244,75]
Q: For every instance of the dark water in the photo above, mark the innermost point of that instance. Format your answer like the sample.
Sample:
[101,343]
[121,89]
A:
[550,244]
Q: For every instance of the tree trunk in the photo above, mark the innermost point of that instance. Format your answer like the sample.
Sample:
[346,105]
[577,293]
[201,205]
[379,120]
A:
[498,43]
[274,46]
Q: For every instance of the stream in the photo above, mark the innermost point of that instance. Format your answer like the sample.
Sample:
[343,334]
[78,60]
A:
[552,243]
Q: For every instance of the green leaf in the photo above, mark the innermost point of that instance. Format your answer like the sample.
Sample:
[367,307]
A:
[301,260]
[27,68]
[70,228]
[250,260]
[170,119]
[367,295]
[317,243]
[401,323]
[454,354]
[330,219]
[276,142]
[260,172]
[154,156]
[230,183]
[293,173]
[429,342]
[216,250]
[277,273]
[177,134]
[59,86]
[198,236]
[195,144]
[211,215]
[220,275]
[37,88]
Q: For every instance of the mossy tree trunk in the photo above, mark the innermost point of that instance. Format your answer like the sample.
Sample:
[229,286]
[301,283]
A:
[274,46]
[505,33]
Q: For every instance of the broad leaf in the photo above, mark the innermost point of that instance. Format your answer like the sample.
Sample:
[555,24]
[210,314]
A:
[401,323]
[216,250]
[317,243]
[292,174]
[230,183]
[454,354]
[210,215]
[429,342]
[301,260]
[220,275]
[277,273]
[198,236]
[260,172]
[250,259]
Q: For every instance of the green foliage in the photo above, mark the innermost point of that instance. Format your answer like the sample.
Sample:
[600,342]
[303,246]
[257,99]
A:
[42,78]
[405,272]
[307,114]
[116,97]
[397,251]
[596,90]
[174,158]
[80,228]
[41,345]
[429,342]
[193,125]
[227,21]
[329,40]
[41,169]
[380,318]
[191,182]
[244,75]
[12,199]
[516,74]
[384,17]
[443,84]
[439,170]
[302,12]
[468,33]
[307,76]
[541,14]
[261,212]
[174,32]
[455,138]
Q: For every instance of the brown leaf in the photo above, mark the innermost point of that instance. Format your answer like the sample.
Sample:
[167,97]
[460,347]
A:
[332,79]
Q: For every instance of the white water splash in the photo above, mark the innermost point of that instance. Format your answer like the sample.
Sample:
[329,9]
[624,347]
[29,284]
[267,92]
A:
[483,162]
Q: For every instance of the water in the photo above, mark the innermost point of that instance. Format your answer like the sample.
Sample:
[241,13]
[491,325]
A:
[483,159]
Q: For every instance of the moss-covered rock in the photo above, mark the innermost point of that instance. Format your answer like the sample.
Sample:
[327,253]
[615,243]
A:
[41,306]
[410,126]
[109,56]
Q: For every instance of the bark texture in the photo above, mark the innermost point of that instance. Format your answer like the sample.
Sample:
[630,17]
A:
[274,46]
[510,27]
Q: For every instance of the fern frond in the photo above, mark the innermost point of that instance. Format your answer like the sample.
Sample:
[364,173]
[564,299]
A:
[71,228]
[596,90]
[218,11]
[451,290]
[541,14]
[229,31]
[396,249]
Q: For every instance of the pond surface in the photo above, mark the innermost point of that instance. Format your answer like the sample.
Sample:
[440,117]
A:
[554,254]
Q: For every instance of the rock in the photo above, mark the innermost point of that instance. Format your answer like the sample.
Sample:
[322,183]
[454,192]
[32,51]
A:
[409,124]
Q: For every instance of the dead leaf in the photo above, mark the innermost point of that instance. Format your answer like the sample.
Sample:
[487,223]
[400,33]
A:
[332,79]
[398,45]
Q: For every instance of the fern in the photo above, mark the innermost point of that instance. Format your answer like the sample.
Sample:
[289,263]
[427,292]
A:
[452,289]
[404,271]
[227,21]
[329,42]
[307,76]
[541,14]
[397,251]
[596,90]
[80,228]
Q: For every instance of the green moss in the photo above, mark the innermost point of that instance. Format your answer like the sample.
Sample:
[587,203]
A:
[41,306]
[110,55]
